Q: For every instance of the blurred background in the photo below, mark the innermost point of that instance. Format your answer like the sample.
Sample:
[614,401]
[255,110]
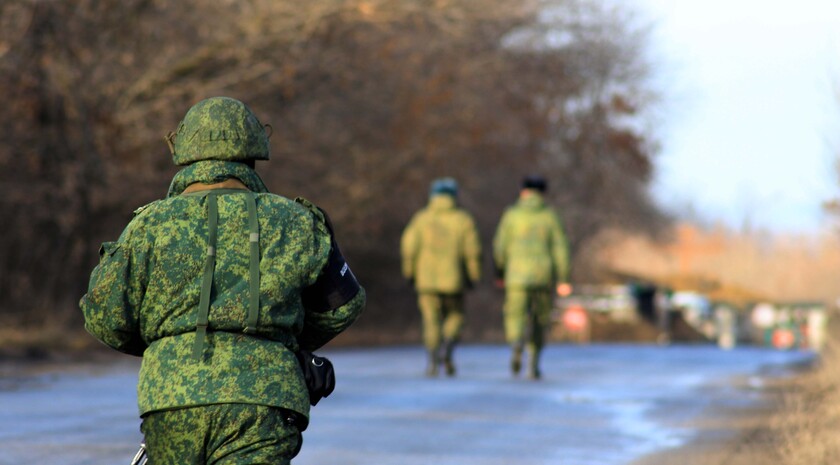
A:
[370,100]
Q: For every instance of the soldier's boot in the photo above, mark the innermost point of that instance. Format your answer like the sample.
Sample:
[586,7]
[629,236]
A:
[516,360]
[432,366]
[448,364]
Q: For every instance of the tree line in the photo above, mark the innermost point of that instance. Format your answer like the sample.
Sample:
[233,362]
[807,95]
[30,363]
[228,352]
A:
[369,101]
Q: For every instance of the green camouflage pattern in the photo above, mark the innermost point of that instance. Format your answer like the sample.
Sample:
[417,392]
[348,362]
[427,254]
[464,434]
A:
[440,248]
[443,318]
[143,297]
[219,128]
[523,308]
[529,246]
[232,434]
[213,171]
[527,316]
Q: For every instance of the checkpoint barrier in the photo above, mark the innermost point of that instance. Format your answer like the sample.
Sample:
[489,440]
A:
[574,324]
[575,318]
[783,337]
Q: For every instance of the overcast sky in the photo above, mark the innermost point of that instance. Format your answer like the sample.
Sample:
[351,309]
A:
[750,123]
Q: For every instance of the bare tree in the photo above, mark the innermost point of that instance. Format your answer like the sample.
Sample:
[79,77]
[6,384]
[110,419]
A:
[369,100]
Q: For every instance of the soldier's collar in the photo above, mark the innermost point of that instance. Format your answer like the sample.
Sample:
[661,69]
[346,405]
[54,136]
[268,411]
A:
[215,171]
[230,183]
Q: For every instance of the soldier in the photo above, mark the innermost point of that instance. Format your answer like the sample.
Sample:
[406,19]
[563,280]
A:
[441,256]
[217,287]
[531,258]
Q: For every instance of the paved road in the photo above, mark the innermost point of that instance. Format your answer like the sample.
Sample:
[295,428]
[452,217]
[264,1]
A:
[597,405]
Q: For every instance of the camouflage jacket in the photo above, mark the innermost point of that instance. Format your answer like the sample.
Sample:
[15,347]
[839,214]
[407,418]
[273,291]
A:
[440,248]
[144,294]
[529,248]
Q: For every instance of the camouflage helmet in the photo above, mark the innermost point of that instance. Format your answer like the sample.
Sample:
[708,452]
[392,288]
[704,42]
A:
[219,128]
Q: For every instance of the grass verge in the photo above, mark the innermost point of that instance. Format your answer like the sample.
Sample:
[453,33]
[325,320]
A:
[807,425]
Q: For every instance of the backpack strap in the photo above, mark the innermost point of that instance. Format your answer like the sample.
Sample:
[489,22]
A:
[254,240]
[202,320]
[207,279]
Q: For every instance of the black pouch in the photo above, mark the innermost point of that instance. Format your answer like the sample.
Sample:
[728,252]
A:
[318,373]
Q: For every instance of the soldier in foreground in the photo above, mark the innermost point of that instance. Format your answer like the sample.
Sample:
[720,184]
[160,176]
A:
[441,255]
[531,258]
[219,287]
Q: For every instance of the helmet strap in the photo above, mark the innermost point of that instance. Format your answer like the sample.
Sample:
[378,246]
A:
[170,141]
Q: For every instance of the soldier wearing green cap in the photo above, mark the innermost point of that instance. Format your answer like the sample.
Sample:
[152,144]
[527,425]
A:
[441,256]
[531,259]
[217,287]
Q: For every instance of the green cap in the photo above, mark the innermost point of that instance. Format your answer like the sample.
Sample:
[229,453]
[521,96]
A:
[219,128]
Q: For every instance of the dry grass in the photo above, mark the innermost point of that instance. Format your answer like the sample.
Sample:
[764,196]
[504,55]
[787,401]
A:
[797,425]
[809,422]
[45,340]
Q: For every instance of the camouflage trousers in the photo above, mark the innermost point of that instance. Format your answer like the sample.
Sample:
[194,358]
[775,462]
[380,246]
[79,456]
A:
[527,314]
[443,318]
[222,434]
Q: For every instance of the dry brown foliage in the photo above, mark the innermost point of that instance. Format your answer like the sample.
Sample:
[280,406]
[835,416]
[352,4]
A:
[745,266]
[369,101]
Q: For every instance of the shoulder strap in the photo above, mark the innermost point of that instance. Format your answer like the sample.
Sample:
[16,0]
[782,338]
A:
[202,321]
[207,279]
[254,239]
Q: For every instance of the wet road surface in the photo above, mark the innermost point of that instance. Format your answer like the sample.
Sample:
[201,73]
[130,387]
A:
[596,405]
